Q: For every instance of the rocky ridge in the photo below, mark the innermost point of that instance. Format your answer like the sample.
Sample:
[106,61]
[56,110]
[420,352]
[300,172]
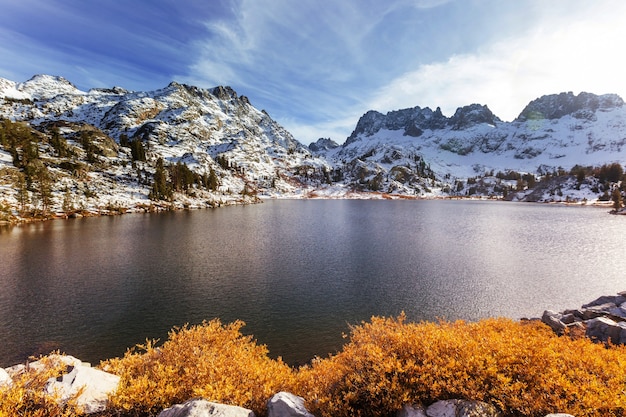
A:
[418,151]
[114,139]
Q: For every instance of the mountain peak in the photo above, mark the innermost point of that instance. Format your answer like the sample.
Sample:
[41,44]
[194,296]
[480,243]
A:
[43,86]
[555,106]
[473,114]
[323,144]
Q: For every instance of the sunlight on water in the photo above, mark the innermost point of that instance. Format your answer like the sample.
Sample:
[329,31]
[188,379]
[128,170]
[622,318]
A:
[298,272]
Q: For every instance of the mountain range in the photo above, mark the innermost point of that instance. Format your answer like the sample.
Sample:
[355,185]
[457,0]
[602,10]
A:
[114,149]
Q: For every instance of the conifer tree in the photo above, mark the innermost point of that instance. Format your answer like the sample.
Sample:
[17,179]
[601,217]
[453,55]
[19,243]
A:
[617,198]
[160,188]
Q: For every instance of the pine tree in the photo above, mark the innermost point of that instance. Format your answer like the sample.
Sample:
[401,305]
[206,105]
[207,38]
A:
[22,192]
[617,199]
[137,150]
[161,190]
[212,181]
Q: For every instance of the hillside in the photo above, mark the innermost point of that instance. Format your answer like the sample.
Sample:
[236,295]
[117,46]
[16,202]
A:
[63,150]
[215,148]
[422,152]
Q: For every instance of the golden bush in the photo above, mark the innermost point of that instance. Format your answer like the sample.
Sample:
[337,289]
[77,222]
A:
[211,360]
[27,396]
[523,369]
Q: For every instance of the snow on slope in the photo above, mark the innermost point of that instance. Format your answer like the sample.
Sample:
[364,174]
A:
[416,152]
[553,133]
[206,129]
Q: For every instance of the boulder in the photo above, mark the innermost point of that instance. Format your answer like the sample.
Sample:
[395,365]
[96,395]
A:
[462,408]
[204,408]
[5,378]
[96,385]
[603,329]
[568,319]
[603,300]
[559,415]
[285,404]
[553,319]
[412,411]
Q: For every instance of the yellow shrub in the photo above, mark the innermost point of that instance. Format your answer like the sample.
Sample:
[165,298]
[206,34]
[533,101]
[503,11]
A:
[27,396]
[210,360]
[524,369]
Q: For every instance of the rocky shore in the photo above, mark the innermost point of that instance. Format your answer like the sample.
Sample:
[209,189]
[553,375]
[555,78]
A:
[602,320]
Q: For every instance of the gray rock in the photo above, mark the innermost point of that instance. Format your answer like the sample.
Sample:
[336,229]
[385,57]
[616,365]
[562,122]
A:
[553,319]
[412,411]
[568,319]
[96,385]
[605,299]
[444,408]
[622,334]
[5,378]
[204,408]
[476,409]
[603,329]
[285,404]
[462,408]
[559,415]
[576,313]
[590,314]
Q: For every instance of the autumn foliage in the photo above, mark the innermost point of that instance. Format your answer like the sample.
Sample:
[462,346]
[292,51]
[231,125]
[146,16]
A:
[521,368]
[27,396]
[211,361]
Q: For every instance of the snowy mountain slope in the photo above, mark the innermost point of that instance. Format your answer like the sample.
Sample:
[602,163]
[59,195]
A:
[207,130]
[121,149]
[416,150]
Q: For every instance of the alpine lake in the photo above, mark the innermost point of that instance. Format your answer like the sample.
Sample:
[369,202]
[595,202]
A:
[298,272]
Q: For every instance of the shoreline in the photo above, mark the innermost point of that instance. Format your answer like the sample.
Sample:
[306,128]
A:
[162,206]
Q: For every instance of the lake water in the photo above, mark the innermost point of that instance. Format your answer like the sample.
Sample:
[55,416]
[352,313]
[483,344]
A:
[297,272]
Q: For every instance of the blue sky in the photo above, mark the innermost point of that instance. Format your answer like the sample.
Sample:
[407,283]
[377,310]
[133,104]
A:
[317,65]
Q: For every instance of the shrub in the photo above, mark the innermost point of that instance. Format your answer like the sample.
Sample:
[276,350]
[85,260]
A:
[27,395]
[210,360]
[524,369]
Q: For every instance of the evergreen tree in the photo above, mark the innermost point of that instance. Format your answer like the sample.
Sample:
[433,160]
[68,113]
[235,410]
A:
[22,192]
[137,150]
[212,181]
[616,196]
[59,143]
[160,188]
[124,140]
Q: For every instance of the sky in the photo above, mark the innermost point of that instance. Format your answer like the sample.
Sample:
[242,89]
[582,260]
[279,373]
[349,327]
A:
[316,66]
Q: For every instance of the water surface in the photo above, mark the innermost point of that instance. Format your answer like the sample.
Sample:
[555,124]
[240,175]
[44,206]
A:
[297,272]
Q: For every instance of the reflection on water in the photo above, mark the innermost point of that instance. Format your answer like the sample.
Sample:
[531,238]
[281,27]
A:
[297,272]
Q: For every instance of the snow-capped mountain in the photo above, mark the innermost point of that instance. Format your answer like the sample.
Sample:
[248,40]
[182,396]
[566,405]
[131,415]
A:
[421,151]
[208,130]
[62,148]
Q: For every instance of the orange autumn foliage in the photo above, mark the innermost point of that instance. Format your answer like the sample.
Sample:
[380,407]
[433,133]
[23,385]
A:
[27,395]
[210,360]
[523,369]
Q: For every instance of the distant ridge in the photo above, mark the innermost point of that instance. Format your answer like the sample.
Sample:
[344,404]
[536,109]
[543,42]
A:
[118,140]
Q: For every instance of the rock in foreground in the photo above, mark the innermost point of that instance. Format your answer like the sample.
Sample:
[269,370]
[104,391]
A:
[602,320]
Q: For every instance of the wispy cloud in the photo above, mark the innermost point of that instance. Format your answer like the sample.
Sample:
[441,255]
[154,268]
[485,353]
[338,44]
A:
[317,65]
[578,54]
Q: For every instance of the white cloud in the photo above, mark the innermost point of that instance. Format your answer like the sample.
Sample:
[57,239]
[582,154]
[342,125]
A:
[581,54]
